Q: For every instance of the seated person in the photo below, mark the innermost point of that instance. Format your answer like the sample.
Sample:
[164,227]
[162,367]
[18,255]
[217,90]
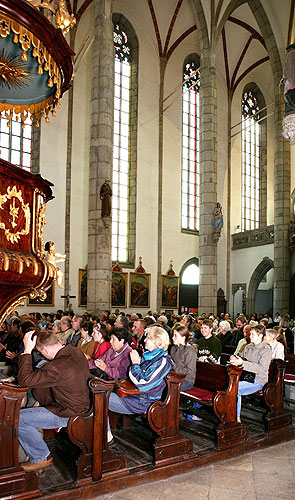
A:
[147,374]
[209,346]
[102,344]
[256,359]
[243,342]
[138,336]
[277,349]
[224,333]
[116,360]
[183,355]
[86,343]
[60,387]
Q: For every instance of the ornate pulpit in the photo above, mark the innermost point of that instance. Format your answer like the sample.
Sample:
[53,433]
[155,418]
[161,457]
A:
[35,70]
[23,268]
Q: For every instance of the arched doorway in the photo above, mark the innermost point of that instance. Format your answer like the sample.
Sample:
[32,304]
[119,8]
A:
[189,285]
[261,270]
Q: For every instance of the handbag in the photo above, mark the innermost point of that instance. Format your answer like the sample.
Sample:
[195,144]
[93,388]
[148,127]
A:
[98,373]
[248,376]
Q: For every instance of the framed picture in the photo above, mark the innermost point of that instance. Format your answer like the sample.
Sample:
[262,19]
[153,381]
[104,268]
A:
[139,290]
[49,301]
[82,288]
[119,289]
[169,293]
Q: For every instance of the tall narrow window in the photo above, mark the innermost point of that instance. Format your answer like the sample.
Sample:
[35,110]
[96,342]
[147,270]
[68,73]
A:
[15,142]
[190,209]
[250,161]
[121,146]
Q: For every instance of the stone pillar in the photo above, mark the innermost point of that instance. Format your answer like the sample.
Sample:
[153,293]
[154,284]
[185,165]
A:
[163,64]
[208,181]
[281,210]
[101,159]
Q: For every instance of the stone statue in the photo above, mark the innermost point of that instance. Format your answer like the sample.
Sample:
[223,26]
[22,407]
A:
[106,197]
[218,219]
[53,257]
[289,95]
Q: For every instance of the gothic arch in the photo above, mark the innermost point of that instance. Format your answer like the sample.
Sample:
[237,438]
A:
[263,267]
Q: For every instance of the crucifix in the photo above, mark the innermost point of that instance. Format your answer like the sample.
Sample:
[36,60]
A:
[68,303]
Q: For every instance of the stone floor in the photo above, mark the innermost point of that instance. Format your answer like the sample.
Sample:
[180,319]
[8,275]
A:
[267,474]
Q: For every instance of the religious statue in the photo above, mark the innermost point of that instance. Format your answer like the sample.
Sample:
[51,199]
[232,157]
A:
[289,95]
[218,219]
[106,197]
[53,257]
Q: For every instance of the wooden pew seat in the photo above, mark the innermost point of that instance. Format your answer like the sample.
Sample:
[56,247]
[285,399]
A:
[217,386]
[163,418]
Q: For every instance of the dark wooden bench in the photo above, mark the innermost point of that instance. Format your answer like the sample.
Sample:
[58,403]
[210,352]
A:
[88,433]
[216,386]
[272,394]
[289,378]
[163,418]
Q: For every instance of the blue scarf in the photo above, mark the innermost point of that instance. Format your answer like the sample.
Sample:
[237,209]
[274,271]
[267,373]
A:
[148,355]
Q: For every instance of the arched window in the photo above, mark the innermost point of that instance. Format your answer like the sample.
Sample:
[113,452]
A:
[16,142]
[124,153]
[190,208]
[253,201]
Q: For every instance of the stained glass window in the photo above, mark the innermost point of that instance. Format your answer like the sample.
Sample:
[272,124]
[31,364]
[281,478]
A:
[15,142]
[190,209]
[250,162]
[120,184]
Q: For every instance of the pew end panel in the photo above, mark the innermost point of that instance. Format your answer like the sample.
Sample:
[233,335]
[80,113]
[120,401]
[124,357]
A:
[217,386]
[163,418]
[272,394]
[106,464]
[14,482]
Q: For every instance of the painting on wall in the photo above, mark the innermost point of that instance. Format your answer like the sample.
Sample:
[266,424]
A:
[82,288]
[169,294]
[49,301]
[139,290]
[119,288]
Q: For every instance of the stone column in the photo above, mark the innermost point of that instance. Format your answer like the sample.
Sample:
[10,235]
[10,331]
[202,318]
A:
[281,211]
[101,159]
[208,180]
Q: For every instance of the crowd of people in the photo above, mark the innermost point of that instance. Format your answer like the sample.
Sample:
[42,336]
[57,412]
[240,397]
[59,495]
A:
[55,354]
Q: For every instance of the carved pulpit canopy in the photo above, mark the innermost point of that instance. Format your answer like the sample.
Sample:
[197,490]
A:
[35,63]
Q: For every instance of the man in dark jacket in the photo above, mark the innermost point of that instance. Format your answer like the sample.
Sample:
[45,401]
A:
[60,388]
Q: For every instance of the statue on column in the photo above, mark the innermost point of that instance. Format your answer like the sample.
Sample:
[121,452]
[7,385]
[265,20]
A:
[289,95]
[106,197]
[218,221]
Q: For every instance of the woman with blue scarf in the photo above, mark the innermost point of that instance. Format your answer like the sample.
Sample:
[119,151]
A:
[147,374]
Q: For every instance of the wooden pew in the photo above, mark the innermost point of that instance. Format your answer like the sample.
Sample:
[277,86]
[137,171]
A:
[163,417]
[272,394]
[216,386]
[88,432]
[289,378]
[14,482]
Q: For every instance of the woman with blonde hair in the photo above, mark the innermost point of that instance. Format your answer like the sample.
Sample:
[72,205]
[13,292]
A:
[147,374]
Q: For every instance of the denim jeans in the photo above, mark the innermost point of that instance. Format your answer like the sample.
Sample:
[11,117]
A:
[245,388]
[117,405]
[31,419]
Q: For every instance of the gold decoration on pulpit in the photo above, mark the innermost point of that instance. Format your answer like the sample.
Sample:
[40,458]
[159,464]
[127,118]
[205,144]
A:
[16,198]
[26,39]
[13,72]
[41,223]
[63,19]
